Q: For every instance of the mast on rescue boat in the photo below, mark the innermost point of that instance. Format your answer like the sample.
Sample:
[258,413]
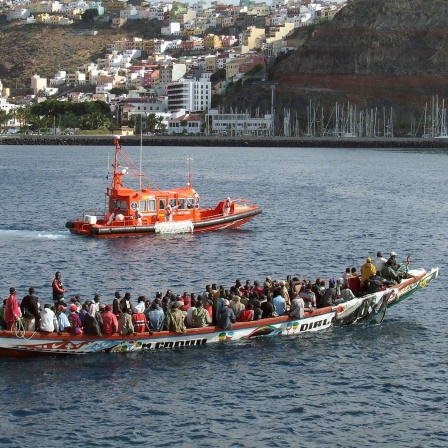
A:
[116,181]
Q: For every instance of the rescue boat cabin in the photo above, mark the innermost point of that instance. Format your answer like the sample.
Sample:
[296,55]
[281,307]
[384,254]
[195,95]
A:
[148,205]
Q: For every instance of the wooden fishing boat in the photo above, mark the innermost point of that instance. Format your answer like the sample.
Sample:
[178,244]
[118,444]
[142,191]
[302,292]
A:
[27,344]
[148,210]
[371,307]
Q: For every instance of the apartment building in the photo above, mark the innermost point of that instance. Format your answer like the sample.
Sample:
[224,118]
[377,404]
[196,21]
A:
[190,95]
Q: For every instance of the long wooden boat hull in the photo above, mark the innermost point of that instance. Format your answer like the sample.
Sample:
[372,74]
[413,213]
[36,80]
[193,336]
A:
[16,344]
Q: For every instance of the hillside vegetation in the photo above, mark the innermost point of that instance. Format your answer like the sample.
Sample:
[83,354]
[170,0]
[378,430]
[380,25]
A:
[39,49]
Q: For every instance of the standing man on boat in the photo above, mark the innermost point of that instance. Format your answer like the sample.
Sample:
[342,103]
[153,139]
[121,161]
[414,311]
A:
[125,303]
[58,289]
[168,213]
[226,207]
[116,304]
[138,216]
[12,310]
[30,311]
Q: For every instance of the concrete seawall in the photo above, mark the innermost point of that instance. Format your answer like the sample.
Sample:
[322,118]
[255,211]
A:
[285,142]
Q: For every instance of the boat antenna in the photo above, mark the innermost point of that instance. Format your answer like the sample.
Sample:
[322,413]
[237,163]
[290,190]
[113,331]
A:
[190,172]
[141,153]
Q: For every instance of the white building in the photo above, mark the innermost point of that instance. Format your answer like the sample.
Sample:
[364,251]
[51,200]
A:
[59,78]
[173,29]
[237,124]
[9,109]
[191,95]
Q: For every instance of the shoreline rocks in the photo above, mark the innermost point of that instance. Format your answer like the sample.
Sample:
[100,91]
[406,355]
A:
[279,142]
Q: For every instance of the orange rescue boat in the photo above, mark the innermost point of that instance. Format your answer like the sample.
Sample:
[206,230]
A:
[150,210]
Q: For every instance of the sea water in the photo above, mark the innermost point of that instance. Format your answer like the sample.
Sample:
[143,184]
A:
[323,210]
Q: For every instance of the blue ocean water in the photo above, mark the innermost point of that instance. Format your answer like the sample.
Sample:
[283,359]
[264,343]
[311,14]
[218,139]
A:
[323,210]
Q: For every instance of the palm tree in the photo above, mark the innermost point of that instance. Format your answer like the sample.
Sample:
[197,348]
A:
[3,118]
[160,125]
[23,115]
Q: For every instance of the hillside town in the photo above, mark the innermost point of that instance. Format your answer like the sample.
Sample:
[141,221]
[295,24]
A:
[200,51]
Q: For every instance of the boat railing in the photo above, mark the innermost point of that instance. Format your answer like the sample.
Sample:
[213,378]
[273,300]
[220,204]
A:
[218,210]
[242,201]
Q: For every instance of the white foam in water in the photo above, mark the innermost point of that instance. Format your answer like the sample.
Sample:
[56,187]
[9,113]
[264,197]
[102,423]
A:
[21,234]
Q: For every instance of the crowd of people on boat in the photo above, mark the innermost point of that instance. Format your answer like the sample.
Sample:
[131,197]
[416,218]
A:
[216,305]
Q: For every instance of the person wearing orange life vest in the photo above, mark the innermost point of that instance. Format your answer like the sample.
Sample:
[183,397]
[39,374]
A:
[226,207]
[168,213]
[139,321]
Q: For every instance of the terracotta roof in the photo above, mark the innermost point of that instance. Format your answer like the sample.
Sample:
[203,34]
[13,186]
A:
[188,117]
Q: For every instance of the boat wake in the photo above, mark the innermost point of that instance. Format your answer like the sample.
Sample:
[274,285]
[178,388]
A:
[32,234]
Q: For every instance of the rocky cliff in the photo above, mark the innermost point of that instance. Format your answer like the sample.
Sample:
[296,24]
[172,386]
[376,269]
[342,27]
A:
[374,54]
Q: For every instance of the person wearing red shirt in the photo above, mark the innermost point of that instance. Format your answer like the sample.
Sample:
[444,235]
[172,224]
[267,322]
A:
[12,311]
[257,288]
[110,322]
[247,315]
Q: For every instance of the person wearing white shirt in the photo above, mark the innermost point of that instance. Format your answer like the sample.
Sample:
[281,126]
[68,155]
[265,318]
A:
[379,261]
[47,319]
